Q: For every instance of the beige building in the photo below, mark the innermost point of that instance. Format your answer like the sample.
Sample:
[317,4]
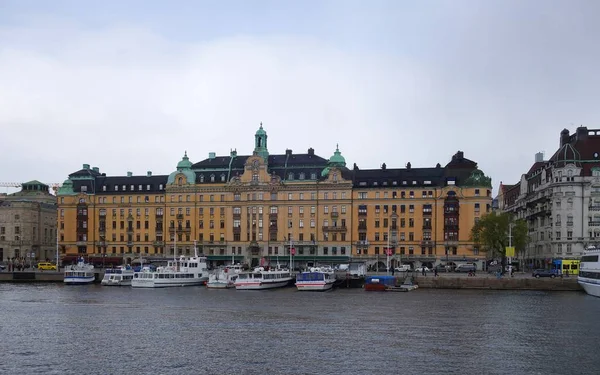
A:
[28,224]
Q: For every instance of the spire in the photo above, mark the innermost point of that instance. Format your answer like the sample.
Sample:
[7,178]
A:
[260,143]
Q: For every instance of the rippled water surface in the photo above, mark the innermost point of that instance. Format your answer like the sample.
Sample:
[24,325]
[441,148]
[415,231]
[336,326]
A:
[57,329]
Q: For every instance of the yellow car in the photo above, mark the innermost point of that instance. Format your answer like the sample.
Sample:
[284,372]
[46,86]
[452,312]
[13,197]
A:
[46,266]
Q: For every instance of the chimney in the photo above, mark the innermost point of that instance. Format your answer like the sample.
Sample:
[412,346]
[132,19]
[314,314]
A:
[311,151]
[355,167]
[564,137]
[233,153]
[129,174]
[383,166]
[212,155]
[86,166]
[288,152]
[96,169]
[408,165]
[438,165]
[539,157]
[582,133]
[149,173]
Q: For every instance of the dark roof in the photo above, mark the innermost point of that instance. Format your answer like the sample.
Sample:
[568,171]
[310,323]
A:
[459,161]
[97,185]
[537,165]
[397,177]
[293,160]
[85,172]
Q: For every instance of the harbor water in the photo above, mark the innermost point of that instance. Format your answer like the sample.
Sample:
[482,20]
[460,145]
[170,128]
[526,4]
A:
[57,329]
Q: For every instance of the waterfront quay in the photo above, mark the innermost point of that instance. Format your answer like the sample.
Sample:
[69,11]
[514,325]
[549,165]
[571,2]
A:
[520,281]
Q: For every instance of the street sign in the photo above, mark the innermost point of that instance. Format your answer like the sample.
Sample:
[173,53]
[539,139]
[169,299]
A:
[293,250]
[388,251]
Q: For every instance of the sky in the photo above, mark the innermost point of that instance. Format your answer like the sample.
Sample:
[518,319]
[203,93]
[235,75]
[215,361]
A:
[132,85]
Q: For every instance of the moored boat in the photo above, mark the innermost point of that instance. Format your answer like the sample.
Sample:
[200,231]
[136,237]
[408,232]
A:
[80,273]
[118,276]
[183,271]
[261,278]
[589,271]
[224,278]
[316,279]
[386,283]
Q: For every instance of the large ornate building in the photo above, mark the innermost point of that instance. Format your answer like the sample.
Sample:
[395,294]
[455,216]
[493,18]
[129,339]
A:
[28,224]
[250,207]
[560,199]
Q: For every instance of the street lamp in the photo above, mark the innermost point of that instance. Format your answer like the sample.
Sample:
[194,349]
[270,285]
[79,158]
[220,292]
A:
[388,251]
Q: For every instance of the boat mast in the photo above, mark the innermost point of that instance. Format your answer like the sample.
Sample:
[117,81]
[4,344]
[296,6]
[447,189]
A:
[175,245]
[291,267]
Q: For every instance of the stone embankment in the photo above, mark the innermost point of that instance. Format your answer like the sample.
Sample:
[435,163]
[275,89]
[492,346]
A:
[504,283]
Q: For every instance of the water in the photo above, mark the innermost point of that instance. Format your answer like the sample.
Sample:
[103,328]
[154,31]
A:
[57,329]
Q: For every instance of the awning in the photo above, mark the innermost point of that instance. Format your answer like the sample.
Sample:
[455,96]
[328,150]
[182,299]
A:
[224,257]
[322,258]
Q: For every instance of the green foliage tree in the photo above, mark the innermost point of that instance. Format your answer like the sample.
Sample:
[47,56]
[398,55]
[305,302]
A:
[491,233]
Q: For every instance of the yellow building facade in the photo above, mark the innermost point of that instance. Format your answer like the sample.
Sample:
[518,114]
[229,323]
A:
[256,208]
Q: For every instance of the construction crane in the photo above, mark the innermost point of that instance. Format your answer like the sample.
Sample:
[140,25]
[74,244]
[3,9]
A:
[54,185]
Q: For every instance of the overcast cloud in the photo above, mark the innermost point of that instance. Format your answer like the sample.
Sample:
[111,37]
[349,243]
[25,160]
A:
[131,87]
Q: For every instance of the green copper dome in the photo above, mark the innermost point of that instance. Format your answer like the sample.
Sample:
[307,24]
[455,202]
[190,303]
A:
[185,162]
[337,159]
[261,131]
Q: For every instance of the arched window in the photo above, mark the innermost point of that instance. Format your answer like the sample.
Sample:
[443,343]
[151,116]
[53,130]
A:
[212,178]
[223,178]
[180,181]
[335,177]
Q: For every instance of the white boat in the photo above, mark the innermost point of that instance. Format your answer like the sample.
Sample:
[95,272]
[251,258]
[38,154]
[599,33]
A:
[224,277]
[119,276]
[589,271]
[80,273]
[260,278]
[316,278]
[184,271]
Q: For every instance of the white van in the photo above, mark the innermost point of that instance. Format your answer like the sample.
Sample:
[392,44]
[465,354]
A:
[402,268]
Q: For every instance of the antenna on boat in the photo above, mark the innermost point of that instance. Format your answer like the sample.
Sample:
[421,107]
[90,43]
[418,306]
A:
[195,249]
[175,246]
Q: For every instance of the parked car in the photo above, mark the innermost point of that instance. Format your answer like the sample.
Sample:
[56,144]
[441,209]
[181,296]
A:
[465,268]
[46,266]
[402,268]
[442,268]
[543,273]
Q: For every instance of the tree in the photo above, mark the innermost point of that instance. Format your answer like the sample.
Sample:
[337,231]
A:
[491,232]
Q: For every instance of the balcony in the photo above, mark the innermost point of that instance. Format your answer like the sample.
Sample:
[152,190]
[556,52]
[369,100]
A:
[364,243]
[101,243]
[81,243]
[592,223]
[427,243]
[158,243]
[362,227]
[426,212]
[102,229]
[158,230]
[334,229]
[272,216]
[237,230]
[594,208]
[335,214]
[450,226]
[129,243]
[179,216]
[362,213]
[427,226]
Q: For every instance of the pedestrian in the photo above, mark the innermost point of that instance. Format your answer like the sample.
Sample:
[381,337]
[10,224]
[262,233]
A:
[435,272]
[423,271]
[392,271]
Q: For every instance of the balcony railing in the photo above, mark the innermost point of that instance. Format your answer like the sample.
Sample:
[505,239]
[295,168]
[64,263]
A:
[334,214]
[179,216]
[594,223]
[332,228]
[158,243]
[594,208]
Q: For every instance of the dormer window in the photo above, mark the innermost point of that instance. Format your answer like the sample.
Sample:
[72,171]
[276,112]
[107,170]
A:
[212,178]
[335,177]
[140,187]
[116,187]
[201,178]
[180,181]
[223,178]
[104,188]
[160,187]
[147,187]
[131,188]
[83,188]
[313,176]
[290,176]
[124,187]
[302,176]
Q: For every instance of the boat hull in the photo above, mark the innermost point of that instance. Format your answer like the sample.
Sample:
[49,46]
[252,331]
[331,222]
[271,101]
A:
[317,287]
[260,285]
[167,283]
[220,285]
[591,286]
[113,282]
[79,280]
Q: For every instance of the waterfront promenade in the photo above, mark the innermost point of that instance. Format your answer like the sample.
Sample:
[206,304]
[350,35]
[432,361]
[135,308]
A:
[482,280]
